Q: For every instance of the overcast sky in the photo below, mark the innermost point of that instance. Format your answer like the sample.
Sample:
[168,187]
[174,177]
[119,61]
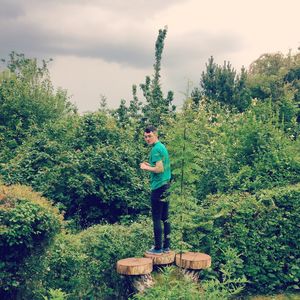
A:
[103,47]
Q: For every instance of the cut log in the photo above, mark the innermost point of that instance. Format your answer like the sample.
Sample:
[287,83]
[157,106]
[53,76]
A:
[135,266]
[136,273]
[193,260]
[163,259]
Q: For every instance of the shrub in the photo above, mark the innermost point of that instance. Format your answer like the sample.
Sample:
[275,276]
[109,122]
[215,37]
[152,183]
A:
[28,223]
[83,265]
[262,228]
[27,102]
[225,152]
[104,246]
[60,268]
[81,165]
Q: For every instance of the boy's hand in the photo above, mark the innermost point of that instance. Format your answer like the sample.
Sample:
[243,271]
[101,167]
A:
[144,165]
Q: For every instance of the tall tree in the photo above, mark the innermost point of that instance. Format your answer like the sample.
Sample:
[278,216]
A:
[157,107]
[242,95]
[208,82]
[224,85]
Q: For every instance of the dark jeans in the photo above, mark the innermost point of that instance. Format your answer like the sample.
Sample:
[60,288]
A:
[160,212]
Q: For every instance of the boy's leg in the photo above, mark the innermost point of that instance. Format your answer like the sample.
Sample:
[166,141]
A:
[165,219]
[165,216]
[156,207]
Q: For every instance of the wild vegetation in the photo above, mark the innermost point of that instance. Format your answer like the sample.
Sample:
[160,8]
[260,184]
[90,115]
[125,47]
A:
[73,200]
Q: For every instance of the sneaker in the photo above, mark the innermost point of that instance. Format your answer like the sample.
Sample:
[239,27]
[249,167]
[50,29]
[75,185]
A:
[154,251]
[166,250]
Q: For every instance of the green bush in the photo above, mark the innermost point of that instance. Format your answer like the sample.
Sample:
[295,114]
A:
[104,246]
[262,228]
[83,265]
[80,163]
[60,268]
[225,152]
[28,223]
[218,151]
[64,263]
[28,101]
[261,154]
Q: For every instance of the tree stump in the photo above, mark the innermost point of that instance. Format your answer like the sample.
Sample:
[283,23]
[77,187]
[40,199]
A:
[163,259]
[137,272]
[192,262]
[134,266]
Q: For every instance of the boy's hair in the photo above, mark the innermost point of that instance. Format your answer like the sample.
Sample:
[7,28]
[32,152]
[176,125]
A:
[150,128]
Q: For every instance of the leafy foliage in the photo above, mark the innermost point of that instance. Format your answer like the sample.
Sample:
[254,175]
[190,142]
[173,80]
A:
[275,77]
[226,153]
[60,270]
[180,139]
[83,265]
[170,284]
[240,152]
[262,228]
[81,165]
[104,246]
[56,295]
[27,101]
[28,223]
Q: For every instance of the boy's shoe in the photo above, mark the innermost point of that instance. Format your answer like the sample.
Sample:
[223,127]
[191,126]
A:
[166,250]
[154,251]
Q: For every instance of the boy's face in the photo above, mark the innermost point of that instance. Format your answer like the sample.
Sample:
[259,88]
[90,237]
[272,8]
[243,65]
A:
[150,137]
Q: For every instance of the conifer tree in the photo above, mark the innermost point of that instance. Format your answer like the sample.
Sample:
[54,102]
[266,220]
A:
[103,104]
[208,80]
[196,96]
[242,95]
[121,114]
[225,81]
[135,105]
[222,84]
[181,139]
[157,107]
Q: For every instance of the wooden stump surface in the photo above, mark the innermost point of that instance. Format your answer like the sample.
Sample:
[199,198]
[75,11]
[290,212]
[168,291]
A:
[193,260]
[135,266]
[162,259]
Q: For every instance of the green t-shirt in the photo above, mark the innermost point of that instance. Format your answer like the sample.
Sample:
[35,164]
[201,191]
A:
[159,152]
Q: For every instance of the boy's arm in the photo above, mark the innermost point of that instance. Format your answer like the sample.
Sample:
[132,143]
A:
[158,168]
